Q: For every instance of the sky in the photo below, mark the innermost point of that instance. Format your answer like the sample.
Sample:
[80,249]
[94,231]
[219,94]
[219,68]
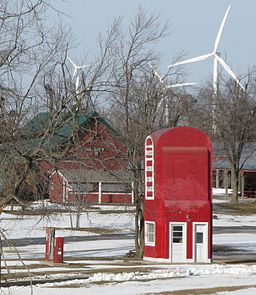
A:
[193,29]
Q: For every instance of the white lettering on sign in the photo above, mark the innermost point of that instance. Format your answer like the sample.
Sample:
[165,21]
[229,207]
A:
[95,149]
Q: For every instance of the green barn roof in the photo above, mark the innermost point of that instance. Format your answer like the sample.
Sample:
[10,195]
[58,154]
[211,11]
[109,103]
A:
[60,129]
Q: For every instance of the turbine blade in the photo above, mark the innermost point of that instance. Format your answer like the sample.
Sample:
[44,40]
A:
[158,76]
[191,60]
[217,41]
[82,67]
[160,102]
[71,61]
[215,75]
[180,85]
[231,73]
[77,84]
[75,71]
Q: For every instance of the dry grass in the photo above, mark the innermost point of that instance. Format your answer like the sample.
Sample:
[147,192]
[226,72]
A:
[95,230]
[245,207]
[205,291]
[36,212]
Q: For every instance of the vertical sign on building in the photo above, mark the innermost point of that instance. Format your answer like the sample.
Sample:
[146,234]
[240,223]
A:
[149,169]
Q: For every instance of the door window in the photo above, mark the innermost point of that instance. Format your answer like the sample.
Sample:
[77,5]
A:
[177,234]
[199,238]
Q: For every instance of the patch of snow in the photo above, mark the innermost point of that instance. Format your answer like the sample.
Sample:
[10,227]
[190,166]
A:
[221,191]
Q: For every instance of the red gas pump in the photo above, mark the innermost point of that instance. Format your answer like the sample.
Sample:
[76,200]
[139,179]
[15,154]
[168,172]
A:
[50,236]
[58,250]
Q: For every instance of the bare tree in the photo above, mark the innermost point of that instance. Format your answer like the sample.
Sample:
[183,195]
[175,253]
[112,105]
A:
[135,99]
[29,49]
[235,115]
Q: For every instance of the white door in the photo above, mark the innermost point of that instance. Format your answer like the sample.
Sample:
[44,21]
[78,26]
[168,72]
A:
[177,242]
[201,242]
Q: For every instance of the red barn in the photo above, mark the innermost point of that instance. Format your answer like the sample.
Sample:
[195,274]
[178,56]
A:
[178,196]
[89,162]
[90,186]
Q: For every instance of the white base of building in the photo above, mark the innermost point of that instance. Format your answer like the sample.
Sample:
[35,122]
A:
[166,260]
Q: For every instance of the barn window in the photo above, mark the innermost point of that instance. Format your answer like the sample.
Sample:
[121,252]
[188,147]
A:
[116,187]
[85,187]
[150,233]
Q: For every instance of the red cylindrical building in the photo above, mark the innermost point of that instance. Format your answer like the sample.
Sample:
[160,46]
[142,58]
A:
[178,196]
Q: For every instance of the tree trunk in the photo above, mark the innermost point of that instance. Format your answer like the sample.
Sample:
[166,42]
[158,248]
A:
[78,211]
[235,184]
[139,213]
[136,225]
[141,220]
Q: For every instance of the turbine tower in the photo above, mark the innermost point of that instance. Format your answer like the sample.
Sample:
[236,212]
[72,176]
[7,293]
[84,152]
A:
[76,68]
[167,87]
[216,59]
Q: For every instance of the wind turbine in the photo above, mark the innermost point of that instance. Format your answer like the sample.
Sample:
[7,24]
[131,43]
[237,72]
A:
[216,59]
[167,87]
[76,68]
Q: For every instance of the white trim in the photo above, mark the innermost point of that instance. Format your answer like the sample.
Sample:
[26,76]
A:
[132,192]
[149,243]
[184,238]
[153,259]
[97,193]
[65,186]
[65,190]
[54,171]
[149,157]
[58,172]
[194,241]
[108,193]
[164,260]
[100,193]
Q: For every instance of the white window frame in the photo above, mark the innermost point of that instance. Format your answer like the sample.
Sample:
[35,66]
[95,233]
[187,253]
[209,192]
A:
[147,242]
[150,168]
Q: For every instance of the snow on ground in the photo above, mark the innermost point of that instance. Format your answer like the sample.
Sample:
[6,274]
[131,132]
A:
[234,220]
[98,248]
[34,226]
[148,277]
[147,287]
[249,291]
[244,241]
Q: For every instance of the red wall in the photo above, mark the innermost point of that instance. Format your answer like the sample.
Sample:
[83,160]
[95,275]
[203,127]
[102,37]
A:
[56,188]
[112,154]
[182,185]
[105,198]
[83,154]
[95,148]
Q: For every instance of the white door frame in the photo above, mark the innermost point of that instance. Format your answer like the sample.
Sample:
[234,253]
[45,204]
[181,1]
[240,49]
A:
[184,236]
[206,245]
